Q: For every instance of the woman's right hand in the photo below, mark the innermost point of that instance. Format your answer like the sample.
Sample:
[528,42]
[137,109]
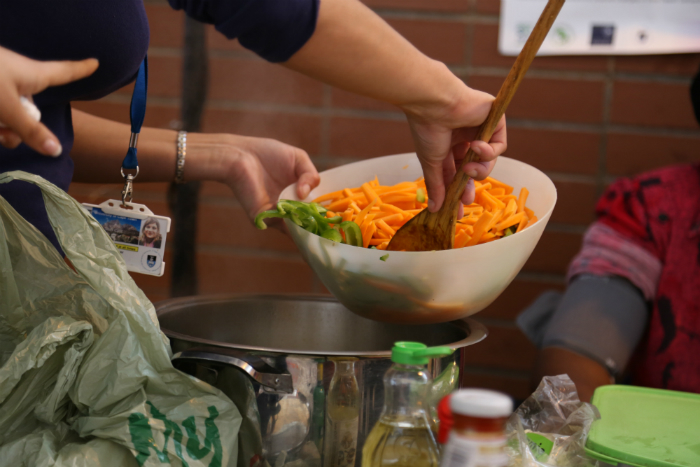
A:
[22,76]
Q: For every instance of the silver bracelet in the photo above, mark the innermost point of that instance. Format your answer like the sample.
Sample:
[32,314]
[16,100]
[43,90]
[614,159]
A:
[181,153]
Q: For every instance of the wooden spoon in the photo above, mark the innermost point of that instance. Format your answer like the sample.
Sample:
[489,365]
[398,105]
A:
[430,231]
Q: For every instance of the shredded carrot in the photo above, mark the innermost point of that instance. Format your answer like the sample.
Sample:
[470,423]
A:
[367,235]
[389,208]
[370,193]
[487,236]
[480,227]
[484,187]
[343,204]
[472,208]
[393,219]
[381,224]
[361,216]
[380,210]
[380,214]
[508,189]
[329,196]
[368,220]
[399,197]
[510,208]
[522,199]
[461,239]
[507,198]
[496,218]
[497,202]
[380,234]
[510,221]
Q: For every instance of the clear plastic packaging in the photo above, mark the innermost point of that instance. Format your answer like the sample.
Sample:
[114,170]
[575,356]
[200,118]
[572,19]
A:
[551,427]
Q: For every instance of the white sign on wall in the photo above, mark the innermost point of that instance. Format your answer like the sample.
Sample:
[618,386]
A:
[605,27]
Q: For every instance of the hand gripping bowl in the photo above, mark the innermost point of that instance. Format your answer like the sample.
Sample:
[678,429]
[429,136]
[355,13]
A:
[421,287]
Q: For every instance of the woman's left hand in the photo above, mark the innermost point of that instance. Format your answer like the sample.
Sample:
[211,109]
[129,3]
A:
[256,169]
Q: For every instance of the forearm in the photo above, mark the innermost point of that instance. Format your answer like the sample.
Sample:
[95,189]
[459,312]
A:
[354,49]
[587,374]
[100,146]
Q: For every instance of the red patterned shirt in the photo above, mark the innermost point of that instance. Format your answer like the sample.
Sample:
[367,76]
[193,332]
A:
[648,231]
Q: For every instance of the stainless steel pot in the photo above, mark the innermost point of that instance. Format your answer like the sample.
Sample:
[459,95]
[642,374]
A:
[275,357]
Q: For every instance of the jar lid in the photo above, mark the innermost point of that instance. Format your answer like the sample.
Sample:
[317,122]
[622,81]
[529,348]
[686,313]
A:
[481,403]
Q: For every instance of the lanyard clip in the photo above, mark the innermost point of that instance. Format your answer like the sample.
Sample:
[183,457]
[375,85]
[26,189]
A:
[128,190]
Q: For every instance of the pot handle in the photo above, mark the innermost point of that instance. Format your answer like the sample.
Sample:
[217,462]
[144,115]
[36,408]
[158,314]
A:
[260,371]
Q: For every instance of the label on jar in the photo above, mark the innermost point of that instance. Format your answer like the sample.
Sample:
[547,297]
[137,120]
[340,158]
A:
[475,451]
[341,442]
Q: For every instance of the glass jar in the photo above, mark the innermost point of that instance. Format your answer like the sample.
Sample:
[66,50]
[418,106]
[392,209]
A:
[343,415]
[478,437]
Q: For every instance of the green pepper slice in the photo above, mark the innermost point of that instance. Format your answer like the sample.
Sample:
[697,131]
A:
[353,234]
[311,217]
[311,224]
[332,234]
[268,214]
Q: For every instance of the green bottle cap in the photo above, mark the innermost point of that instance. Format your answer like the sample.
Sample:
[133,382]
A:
[415,353]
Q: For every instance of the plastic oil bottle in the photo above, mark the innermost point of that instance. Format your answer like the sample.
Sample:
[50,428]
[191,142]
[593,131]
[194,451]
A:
[403,437]
[343,416]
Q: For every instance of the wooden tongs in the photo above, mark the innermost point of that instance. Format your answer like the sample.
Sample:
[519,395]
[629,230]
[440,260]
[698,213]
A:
[430,231]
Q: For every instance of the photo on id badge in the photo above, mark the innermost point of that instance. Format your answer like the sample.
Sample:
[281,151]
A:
[141,241]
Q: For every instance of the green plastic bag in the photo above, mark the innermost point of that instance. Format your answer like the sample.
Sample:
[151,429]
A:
[86,378]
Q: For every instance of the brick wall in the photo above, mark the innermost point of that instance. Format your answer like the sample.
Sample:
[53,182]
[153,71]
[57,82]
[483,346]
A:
[582,120]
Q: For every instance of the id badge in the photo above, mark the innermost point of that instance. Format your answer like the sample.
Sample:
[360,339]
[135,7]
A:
[138,234]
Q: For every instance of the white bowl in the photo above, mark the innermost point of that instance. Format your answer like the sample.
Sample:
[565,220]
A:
[421,287]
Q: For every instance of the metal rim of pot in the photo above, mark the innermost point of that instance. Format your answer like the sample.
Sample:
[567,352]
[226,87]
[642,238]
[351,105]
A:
[476,332]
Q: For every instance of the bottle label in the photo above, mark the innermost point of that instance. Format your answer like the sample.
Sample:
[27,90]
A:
[341,440]
[467,451]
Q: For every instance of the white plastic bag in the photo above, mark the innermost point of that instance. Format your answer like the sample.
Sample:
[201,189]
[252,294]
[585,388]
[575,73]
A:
[86,378]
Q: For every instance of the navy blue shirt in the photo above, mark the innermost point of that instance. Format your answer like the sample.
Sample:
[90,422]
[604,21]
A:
[116,33]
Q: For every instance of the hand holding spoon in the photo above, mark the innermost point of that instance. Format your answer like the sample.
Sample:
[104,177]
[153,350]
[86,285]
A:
[430,231]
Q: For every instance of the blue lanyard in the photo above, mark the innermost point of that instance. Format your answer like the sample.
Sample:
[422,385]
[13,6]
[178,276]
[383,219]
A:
[138,112]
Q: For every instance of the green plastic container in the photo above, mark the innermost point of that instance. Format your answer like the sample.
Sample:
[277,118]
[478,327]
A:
[645,427]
